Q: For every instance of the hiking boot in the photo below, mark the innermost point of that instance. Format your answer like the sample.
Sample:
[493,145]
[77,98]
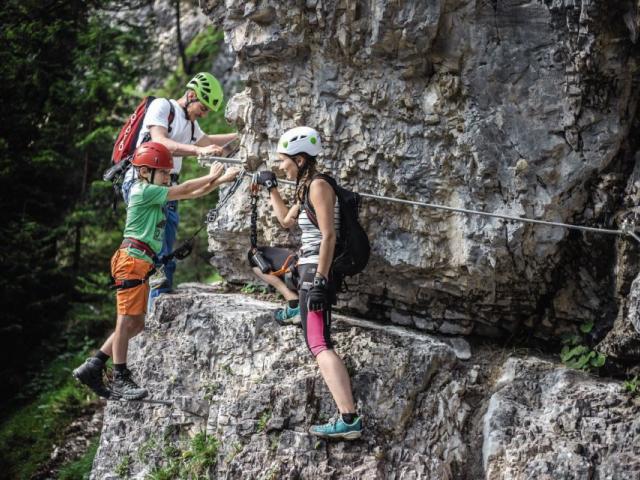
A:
[90,373]
[338,428]
[124,386]
[287,315]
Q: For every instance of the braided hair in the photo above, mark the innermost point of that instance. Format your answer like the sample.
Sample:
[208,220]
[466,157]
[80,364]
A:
[305,174]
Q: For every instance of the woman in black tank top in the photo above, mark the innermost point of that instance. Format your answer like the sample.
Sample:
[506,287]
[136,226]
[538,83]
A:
[297,151]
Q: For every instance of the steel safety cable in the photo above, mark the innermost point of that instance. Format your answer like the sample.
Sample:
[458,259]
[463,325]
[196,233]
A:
[627,227]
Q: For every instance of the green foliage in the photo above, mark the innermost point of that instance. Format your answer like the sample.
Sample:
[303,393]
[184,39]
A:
[64,68]
[70,76]
[124,467]
[148,447]
[263,420]
[251,287]
[205,45]
[27,435]
[194,462]
[80,469]
[586,327]
[632,385]
[274,441]
[575,354]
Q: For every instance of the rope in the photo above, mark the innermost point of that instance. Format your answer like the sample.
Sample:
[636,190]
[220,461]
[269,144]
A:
[627,227]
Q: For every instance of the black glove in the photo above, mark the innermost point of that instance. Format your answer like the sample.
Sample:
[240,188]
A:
[318,296]
[266,178]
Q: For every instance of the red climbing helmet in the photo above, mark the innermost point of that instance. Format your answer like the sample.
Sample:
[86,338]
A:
[153,155]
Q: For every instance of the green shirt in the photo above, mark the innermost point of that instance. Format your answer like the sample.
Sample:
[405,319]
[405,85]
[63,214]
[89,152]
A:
[145,217]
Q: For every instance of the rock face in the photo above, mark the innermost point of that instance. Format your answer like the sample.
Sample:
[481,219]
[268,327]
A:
[513,107]
[255,390]
[565,425]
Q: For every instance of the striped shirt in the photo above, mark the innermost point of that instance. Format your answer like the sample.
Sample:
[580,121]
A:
[312,237]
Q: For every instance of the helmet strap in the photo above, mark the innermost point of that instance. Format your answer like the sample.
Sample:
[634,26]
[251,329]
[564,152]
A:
[188,102]
[153,175]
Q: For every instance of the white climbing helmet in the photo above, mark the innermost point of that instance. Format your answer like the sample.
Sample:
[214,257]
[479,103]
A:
[298,140]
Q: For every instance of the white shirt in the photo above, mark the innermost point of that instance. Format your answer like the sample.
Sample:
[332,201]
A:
[158,115]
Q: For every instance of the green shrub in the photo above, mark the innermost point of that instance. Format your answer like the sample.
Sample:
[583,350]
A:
[26,436]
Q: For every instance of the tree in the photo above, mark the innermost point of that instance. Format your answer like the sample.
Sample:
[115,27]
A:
[67,72]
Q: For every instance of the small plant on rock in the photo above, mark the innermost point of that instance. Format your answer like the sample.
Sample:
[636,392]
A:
[122,470]
[632,386]
[251,287]
[211,390]
[194,462]
[201,456]
[575,354]
[264,420]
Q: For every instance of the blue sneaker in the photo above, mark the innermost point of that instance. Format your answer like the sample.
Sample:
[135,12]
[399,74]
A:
[337,428]
[287,315]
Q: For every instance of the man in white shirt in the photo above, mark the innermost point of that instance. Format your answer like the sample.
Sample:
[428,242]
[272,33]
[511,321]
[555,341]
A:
[174,123]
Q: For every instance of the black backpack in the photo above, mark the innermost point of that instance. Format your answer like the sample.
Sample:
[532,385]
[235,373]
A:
[352,248]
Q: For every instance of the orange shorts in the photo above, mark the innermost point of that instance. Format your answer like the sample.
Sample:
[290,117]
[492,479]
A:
[130,301]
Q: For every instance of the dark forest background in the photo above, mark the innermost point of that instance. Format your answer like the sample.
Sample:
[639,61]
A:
[70,74]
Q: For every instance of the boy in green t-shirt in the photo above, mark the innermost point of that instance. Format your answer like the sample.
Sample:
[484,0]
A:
[133,262]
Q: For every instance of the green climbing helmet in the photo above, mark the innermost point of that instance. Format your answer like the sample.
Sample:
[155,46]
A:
[208,90]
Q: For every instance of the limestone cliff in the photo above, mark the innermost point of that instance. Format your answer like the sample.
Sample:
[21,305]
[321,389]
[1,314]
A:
[431,409]
[513,107]
[516,107]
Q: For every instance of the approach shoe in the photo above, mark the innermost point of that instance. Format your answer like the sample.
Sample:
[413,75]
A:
[287,315]
[338,429]
[124,386]
[90,373]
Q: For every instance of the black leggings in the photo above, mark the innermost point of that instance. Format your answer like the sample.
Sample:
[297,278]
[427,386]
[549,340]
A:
[315,325]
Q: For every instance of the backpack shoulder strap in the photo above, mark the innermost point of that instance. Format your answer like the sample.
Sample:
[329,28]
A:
[311,213]
[193,130]
[172,114]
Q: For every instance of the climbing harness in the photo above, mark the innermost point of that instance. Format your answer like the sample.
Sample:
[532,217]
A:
[627,228]
[125,284]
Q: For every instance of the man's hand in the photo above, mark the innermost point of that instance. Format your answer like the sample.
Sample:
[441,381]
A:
[266,178]
[318,296]
[213,150]
[230,175]
[216,169]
